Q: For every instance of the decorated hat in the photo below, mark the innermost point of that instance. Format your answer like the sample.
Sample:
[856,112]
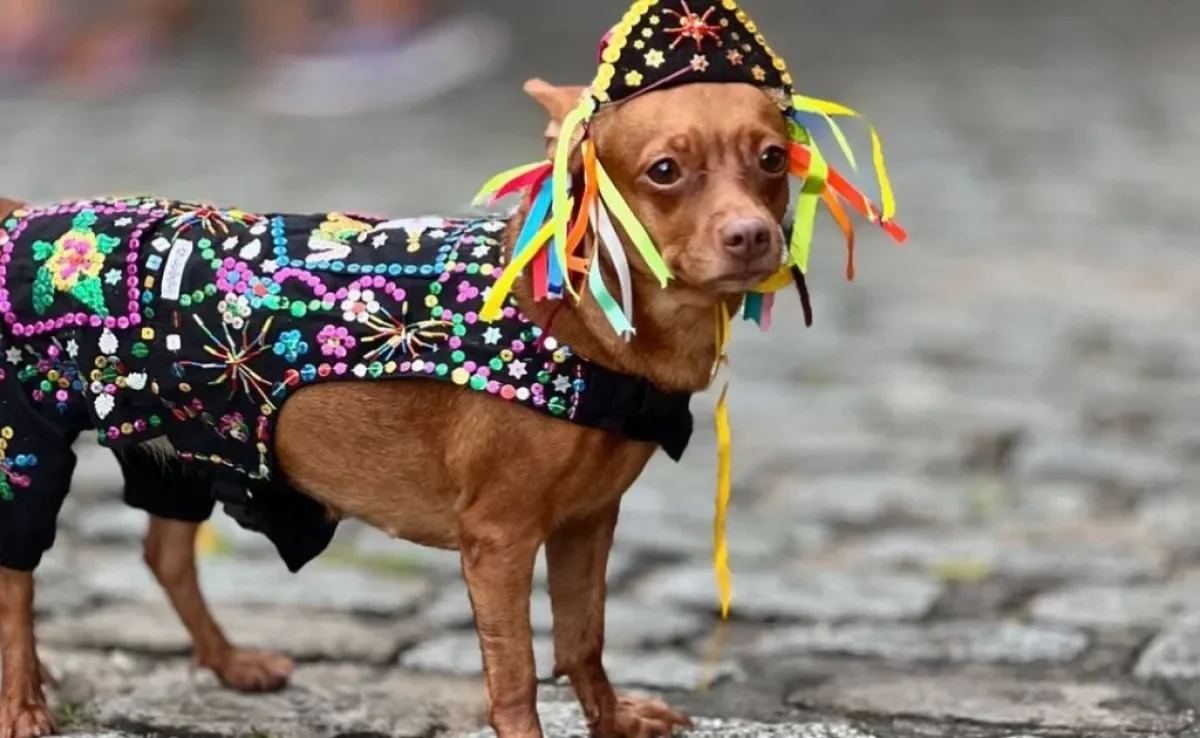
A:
[660,44]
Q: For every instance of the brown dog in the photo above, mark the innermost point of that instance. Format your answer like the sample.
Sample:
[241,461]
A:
[446,483]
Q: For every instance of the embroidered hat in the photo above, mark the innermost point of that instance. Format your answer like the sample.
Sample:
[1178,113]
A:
[656,45]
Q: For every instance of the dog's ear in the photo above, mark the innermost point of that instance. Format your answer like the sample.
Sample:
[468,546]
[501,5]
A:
[557,101]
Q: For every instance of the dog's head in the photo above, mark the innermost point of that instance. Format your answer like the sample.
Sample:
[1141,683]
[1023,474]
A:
[705,169]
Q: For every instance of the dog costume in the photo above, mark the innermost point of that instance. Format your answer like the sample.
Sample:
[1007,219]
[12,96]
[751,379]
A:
[145,318]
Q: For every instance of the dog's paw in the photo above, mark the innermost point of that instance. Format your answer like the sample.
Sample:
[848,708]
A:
[648,719]
[253,671]
[22,717]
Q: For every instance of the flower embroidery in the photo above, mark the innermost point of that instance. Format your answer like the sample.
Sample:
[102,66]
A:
[335,341]
[467,291]
[359,306]
[291,346]
[234,309]
[72,264]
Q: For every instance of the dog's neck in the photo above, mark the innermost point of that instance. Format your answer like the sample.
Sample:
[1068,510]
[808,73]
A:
[675,343]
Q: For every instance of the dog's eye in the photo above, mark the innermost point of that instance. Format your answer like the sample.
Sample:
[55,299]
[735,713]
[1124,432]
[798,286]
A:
[773,160]
[664,172]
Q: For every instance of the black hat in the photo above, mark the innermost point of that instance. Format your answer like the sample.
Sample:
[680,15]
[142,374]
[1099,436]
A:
[664,44]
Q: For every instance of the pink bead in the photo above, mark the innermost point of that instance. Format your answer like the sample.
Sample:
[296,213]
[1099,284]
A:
[378,281]
[133,295]
[122,322]
[16,327]
[110,322]
[470,366]
[319,289]
[95,321]
[493,386]
[131,270]
[400,293]
[59,323]
[70,318]
[134,318]
[339,368]
[81,318]
[509,311]
[405,366]
[131,257]
[455,342]
[471,318]
[5,306]
[131,282]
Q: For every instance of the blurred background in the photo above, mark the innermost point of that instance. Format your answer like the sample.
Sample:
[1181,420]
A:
[997,421]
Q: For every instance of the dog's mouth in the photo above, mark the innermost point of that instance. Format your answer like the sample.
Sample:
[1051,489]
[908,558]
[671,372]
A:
[742,280]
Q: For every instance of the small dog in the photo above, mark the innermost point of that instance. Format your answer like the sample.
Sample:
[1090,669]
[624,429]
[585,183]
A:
[177,331]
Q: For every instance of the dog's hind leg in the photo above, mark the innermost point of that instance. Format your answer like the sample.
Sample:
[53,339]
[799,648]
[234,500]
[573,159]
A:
[576,562]
[170,552]
[23,711]
[178,502]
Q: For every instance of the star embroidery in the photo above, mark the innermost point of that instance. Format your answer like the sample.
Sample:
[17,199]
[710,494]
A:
[113,276]
[654,20]
[647,32]
[699,63]
[481,251]
[72,348]
[122,222]
[379,240]
[759,73]
[633,78]
[516,369]
[14,355]
[655,58]
[735,57]
[695,27]
[269,266]
[561,383]
[639,44]
[491,336]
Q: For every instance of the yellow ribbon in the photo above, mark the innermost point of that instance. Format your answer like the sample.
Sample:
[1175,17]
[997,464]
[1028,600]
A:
[494,304]
[724,471]
[800,247]
[561,187]
[724,485]
[825,107]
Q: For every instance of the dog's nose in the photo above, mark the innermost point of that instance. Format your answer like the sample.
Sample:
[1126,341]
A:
[746,238]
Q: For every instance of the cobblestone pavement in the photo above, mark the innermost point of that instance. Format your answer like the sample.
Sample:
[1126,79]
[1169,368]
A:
[964,501]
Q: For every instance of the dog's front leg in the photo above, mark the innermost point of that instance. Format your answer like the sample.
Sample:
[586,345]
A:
[170,552]
[23,711]
[497,564]
[577,560]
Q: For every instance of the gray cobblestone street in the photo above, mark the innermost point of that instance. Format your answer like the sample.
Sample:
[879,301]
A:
[965,501]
